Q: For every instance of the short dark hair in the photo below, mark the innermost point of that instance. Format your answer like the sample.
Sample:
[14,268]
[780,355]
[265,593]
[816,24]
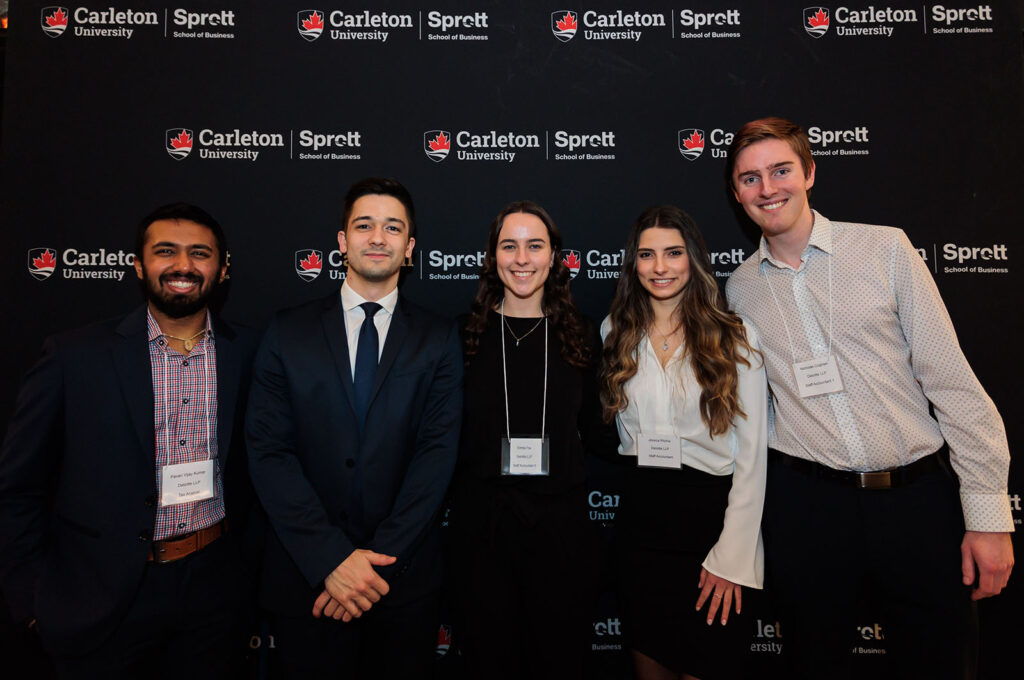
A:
[182,211]
[385,186]
[770,128]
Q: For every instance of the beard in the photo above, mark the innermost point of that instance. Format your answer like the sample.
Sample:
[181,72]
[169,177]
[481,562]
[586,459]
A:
[177,305]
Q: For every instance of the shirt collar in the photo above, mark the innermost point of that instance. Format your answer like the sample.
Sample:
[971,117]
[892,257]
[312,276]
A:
[153,330]
[351,299]
[821,238]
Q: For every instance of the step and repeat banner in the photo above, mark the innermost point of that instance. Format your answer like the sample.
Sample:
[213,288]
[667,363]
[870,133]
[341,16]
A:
[265,114]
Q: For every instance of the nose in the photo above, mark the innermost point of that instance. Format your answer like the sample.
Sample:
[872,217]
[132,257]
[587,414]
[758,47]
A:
[522,257]
[767,186]
[660,264]
[183,261]
[377,236]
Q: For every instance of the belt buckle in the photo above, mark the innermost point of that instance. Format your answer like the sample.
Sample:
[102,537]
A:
[881,479]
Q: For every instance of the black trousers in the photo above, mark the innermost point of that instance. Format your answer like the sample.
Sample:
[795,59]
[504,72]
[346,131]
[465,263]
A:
[385,643]
[830,546]
[188,620]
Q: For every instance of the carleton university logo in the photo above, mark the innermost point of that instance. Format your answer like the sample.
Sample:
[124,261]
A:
[54,20]
[563,24]
[309,263]
[41,263]
[571,259]
[444,639]
[816,21]
[178,142]
[691,143]
[311,24]
[437,144]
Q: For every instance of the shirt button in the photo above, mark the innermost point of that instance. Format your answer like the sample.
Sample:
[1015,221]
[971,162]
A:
[181,525]
[160,342]
[350,463]
[185,400]
[185,362]
[181,442]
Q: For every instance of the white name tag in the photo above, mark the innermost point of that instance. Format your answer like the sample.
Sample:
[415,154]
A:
[818,376]
[659,450]
[186,482]
[524,456]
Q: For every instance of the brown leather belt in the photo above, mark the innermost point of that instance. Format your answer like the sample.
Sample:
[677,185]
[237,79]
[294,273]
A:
[173,549]
[879,479]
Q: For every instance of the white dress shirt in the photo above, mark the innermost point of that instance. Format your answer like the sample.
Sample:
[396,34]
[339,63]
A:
[897,353]
[354,317]
[667,401]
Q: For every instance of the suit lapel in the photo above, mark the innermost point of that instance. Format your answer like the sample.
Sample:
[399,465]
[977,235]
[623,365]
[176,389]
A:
[228,374]
[130,355]
[397,332]
[333,321]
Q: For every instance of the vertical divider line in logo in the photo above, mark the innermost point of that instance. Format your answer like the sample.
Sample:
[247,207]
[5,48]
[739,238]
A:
[165,22]
[935,259]
[421,24]
[924,19]
[546,157]
[673,22]
[421,264]
[291,145]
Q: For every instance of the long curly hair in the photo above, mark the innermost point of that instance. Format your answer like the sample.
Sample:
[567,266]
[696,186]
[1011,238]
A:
[557,304]
[714,340]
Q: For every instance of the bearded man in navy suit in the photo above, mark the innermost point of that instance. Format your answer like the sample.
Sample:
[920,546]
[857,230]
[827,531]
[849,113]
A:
[123,465]
[353,430]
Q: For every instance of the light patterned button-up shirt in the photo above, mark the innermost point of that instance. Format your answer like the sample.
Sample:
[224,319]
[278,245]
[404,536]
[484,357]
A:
[185,421]
[896,350]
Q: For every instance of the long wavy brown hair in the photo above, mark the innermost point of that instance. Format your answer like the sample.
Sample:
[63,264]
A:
[714,339]
[557,304]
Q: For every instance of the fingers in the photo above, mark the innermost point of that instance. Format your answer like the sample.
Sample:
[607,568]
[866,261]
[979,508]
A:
[967,564]
[705,592]
[726,604]
[716,600]
[321,601]
[703,578]
[332,609]
[738,598]
[379,560]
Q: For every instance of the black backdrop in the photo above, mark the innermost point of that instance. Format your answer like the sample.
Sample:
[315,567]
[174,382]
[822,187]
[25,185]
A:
[915,112]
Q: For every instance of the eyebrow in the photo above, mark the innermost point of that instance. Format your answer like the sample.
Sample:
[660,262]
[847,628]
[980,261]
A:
[529,240]
[201,246]
[770,167]
[644,250]
[370,217]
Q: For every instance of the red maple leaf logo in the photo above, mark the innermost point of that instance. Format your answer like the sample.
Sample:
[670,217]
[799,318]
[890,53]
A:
[572,261]
[694,141]
[58,18]
[566,23]
[182,141]
[311,262]
[314,22]
[47,261]
[439,143]
[818,20]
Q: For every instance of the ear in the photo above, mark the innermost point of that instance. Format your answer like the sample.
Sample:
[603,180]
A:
[809,182]
[137,261]
[408,248]
[342,243]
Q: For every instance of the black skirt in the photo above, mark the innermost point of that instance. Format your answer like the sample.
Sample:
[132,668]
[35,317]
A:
[668,520]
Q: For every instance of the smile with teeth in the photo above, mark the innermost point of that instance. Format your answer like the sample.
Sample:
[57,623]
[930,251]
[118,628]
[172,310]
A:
[522,275]
[662,282]
[773,206]
[181,284]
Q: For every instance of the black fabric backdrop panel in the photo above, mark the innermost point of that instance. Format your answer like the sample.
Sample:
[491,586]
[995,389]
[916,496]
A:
[915,113]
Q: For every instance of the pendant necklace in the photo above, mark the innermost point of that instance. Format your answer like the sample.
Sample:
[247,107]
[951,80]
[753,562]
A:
[518,338]
[189,344]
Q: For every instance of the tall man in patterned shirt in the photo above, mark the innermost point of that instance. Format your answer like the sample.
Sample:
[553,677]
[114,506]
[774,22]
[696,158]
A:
[122,465]
[870,394]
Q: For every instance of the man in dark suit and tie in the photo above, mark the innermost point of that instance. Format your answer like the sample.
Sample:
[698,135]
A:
[353,430]
[121,468]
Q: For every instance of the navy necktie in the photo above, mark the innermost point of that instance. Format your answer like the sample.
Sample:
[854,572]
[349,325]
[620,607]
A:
[367,351]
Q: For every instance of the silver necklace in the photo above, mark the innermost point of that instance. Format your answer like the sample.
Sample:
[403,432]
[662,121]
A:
[664,337]
[518,338]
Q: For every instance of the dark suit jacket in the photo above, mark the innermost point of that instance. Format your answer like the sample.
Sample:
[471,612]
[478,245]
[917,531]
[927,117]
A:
[78,476]
[306,455]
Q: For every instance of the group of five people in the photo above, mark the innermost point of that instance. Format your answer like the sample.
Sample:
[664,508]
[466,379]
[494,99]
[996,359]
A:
[819,405]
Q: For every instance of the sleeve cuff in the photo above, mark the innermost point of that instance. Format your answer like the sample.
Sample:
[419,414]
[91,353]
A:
[987,512]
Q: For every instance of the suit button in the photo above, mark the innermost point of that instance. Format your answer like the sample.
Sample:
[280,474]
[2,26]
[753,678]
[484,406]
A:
[349,462]
[150,501]
[145,535]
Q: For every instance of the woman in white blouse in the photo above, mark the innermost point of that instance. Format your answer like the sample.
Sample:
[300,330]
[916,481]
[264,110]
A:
[684,380]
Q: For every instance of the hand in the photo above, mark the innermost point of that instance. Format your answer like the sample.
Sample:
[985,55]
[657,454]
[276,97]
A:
[993,553]
[721,592]
[353,587]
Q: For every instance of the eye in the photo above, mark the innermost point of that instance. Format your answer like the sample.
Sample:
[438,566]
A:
[782,172]
[508,246]
[537,246]
[643,256]
[749,179]
[201,254]
[677,252]
[394,228]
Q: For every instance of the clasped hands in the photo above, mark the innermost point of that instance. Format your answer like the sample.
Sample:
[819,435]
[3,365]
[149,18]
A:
[353,587]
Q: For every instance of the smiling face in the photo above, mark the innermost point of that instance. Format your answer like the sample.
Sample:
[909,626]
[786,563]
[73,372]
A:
[524,257]
[179,267]
[376,240]
[770,182]
[662,263]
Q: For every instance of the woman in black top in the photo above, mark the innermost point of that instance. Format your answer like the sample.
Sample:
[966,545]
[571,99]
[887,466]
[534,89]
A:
[522,542]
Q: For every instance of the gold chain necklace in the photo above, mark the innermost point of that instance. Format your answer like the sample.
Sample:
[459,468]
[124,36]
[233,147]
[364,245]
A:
[187,341]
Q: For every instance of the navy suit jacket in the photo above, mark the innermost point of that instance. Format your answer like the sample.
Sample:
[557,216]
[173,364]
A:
[306,454]
[78,476]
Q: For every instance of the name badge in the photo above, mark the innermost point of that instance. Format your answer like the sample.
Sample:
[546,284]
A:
[818,376]
[186,482]
[526,456]
[659,450]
